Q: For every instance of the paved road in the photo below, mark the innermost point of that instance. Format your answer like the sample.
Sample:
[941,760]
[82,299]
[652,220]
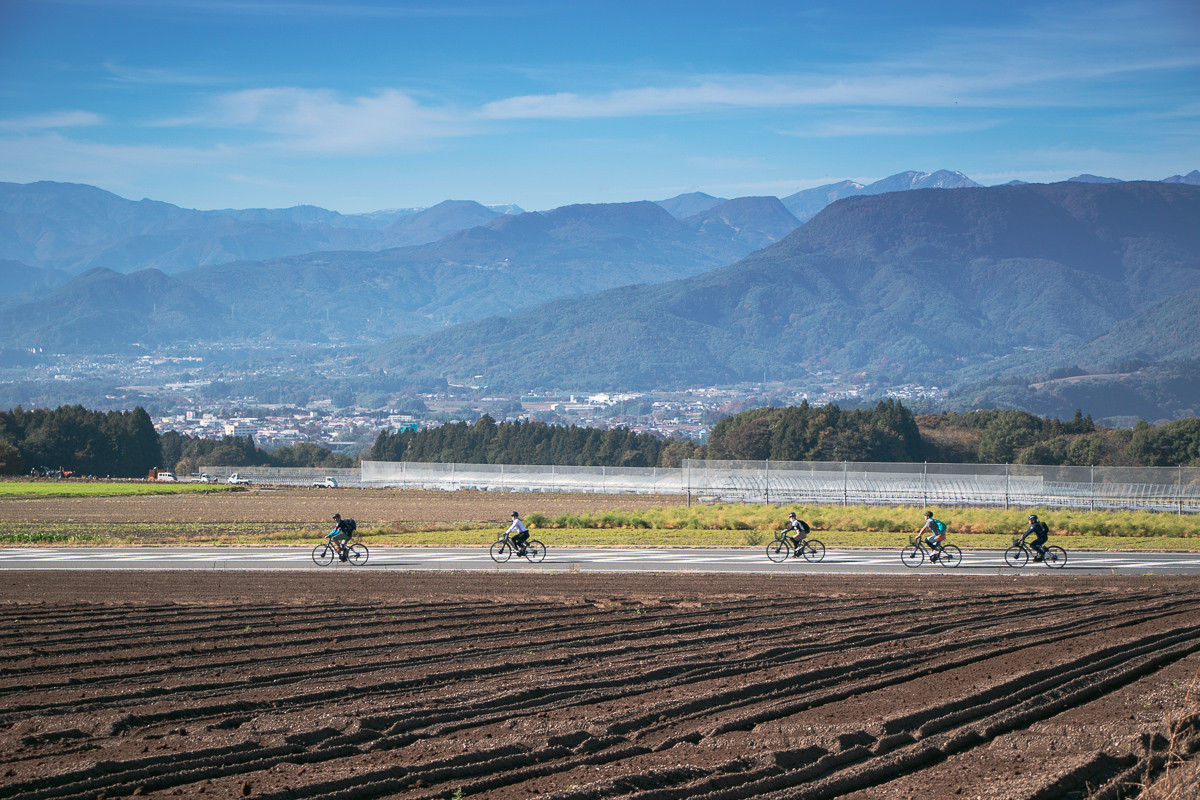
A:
[877,562]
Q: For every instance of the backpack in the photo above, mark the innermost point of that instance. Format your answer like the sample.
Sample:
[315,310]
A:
[350,526]
[939,525]
[804,526]
[1043,529]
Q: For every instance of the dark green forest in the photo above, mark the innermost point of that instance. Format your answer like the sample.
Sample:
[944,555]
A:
[124,444]
[890,432]
[120,444]
[531,442]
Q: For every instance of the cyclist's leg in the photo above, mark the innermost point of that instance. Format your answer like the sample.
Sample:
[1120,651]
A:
[1039,544]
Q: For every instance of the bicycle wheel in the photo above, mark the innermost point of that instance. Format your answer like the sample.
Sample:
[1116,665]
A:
[912,556]
[501,551]
[812,550]
[779,550]
[358,554]
[323,555]
[951,556]
[535,551]
[1016,556]
[1056,557]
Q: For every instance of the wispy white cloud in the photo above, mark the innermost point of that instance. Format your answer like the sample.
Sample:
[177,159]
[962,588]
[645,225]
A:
[52,120]
[159,76]
[320,120]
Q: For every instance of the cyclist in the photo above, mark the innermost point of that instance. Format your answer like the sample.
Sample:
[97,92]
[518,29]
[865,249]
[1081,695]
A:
[937,534]
[341,534]
[800,527]
[522,533]
[1041,532]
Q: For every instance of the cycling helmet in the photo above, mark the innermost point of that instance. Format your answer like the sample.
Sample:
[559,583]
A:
[1033,517]
[929,513]
[792,514]
[514,514]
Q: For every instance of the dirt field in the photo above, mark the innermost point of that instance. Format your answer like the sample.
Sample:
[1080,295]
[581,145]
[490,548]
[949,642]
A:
[589,686]
[385,507]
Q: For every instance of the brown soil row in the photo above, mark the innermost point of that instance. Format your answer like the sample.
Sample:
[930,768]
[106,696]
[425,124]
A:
[589,686]
[377,507]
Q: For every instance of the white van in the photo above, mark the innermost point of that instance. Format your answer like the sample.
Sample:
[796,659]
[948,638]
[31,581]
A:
[166,477]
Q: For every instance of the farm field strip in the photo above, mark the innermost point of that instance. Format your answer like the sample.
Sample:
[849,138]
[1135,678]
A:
[586,686]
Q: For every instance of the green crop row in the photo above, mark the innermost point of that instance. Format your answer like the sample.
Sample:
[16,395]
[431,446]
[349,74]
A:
[101,488]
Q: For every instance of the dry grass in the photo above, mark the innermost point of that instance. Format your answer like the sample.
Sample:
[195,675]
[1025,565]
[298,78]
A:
[1179,778]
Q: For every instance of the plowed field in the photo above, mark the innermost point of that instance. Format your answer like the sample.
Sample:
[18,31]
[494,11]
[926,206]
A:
[388,507]
[588,686]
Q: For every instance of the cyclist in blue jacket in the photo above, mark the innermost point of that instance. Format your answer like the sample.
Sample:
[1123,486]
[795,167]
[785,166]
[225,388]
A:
[937,534]
[341,534]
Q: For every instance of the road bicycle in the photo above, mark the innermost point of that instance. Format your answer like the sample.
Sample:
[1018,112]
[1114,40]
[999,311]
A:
[1018,555]
[782,549]
[918,550]
[324,553]
[503,549]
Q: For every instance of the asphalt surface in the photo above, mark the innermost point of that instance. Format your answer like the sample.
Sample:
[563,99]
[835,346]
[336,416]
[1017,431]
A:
[733,560]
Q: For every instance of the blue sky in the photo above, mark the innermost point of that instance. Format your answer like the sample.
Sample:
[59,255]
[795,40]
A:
[363,105]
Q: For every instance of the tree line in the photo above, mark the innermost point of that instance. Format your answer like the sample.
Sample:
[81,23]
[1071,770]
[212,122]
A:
[124,444]
[486,441]
[890,432]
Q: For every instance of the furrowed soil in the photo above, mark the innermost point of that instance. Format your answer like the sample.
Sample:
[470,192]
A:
[377,507]
[582,686]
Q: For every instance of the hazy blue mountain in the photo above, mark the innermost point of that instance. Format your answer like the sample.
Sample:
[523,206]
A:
[753,222]
[805,204]
[1086,178]
[908,181]
[908,285]
[508,264]
[689,205]
[23,283]
[433,223]
[1192,178]
[74,227]
[102,311]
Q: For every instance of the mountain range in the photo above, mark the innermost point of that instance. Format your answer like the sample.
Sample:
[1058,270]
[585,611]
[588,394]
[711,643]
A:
[931,286]
[507,263]
[917,278]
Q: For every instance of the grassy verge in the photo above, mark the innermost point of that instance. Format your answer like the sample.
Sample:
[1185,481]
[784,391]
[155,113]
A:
[149,534]
[882,519]
[101,488]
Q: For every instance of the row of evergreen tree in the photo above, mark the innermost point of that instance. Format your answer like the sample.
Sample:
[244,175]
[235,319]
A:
[114,443]
[530,442]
